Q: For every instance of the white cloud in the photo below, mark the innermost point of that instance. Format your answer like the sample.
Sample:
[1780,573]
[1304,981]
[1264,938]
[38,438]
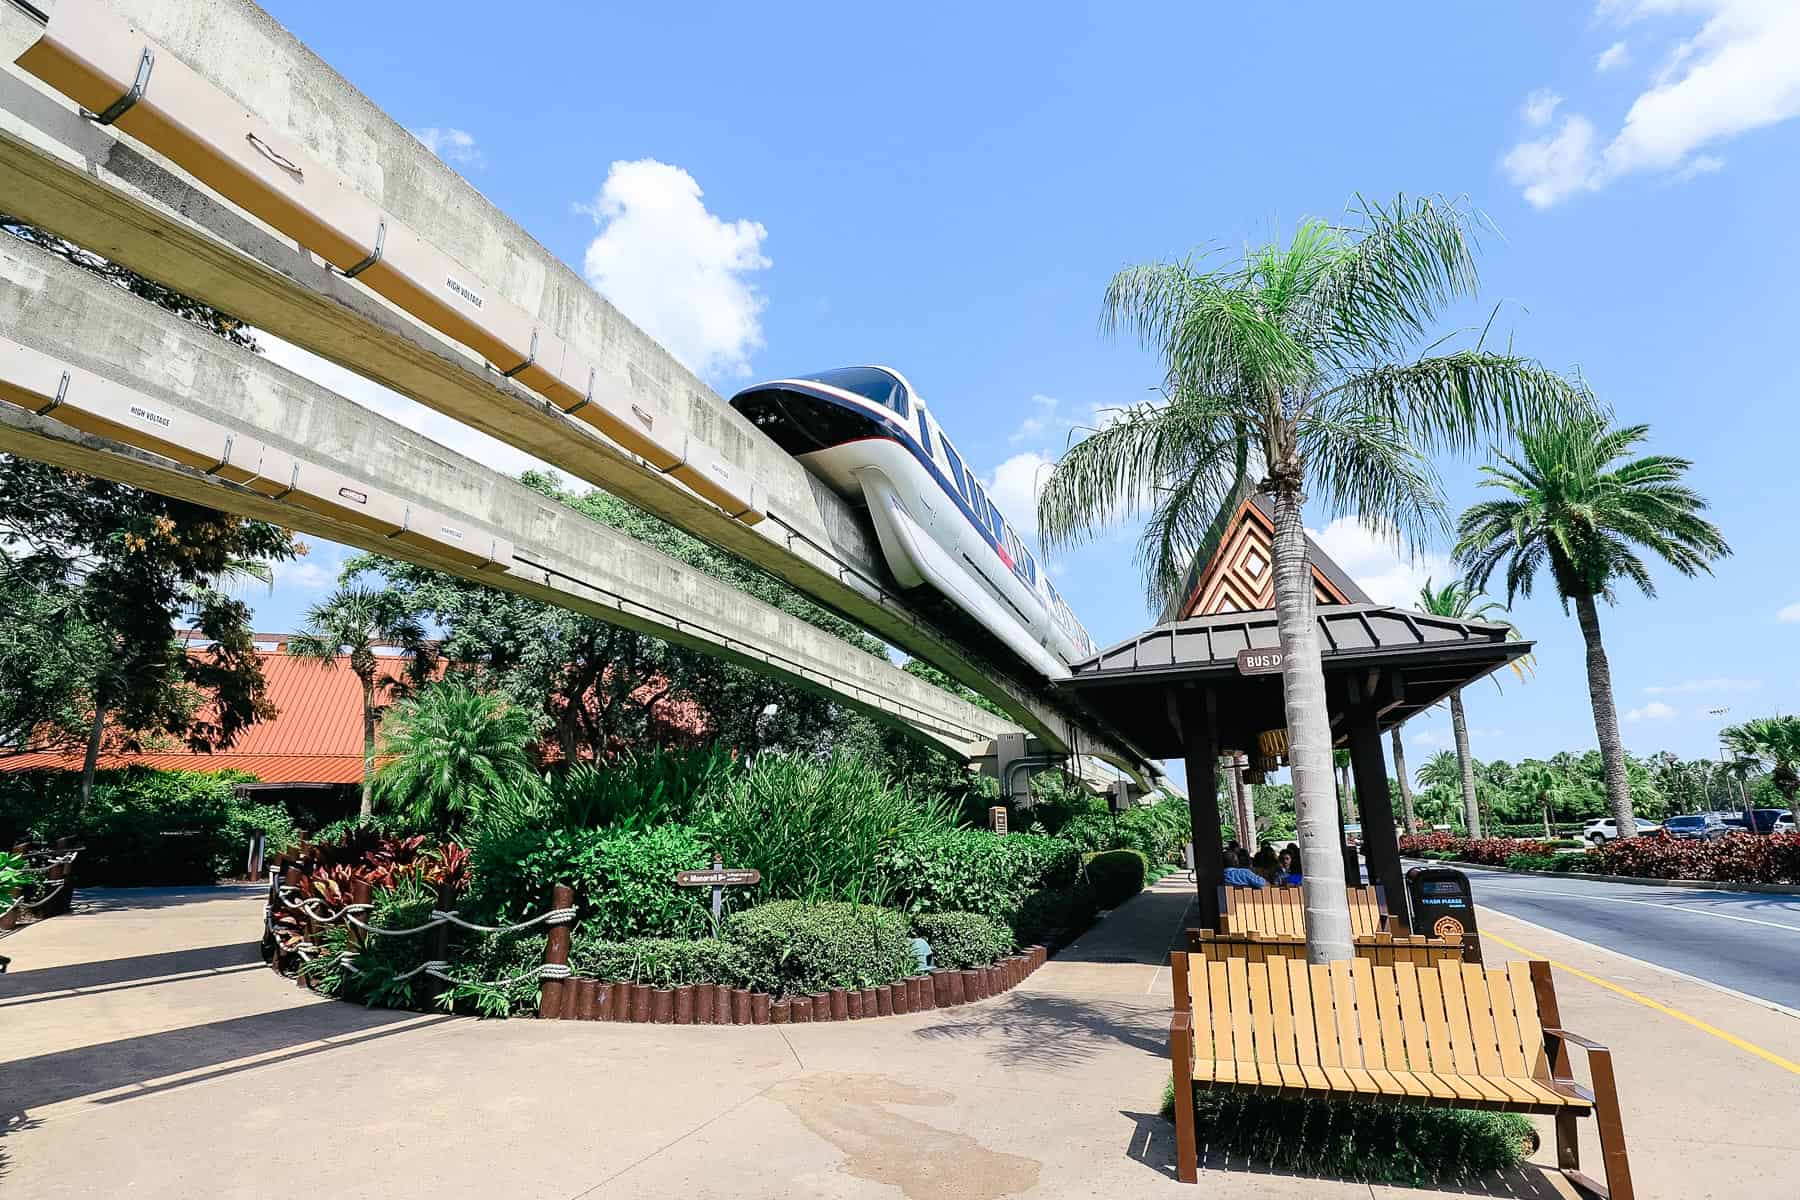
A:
[452,145]
[676,269]
[1374,562]
[1700,164]
[471,443]
[1539,107]
[1553,168]
[1656,710]
[1740,71]
[1789,615]
[1615,55]
[1687,686]
[1014,488]
[315,571]
[1430,738]
[1050,419]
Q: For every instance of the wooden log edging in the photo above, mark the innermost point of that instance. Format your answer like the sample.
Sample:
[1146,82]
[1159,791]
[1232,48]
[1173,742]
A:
[717,1004]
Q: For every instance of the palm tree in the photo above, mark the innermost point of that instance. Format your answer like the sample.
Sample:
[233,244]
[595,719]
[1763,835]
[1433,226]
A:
[1576,504]
[351,623]
[1442,773]
[452,748]
[1774,743]
[1463,603]
[1406,796]
[1294,367]
[1340,769]
[1539,782]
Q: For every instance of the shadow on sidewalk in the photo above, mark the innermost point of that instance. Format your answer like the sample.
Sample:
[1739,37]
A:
[108,972]
[1053,1032]
[29,1083]
[123,899]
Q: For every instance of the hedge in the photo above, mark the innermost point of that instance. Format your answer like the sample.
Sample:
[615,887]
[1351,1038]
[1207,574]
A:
[963,939]
[972,870]
[1734,858]
[793,947]
[1116,875]
[624,880]
[142,827]
[661,962]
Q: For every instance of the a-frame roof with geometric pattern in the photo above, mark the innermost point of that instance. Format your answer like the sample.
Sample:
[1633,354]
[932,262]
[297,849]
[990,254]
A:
[1234,568]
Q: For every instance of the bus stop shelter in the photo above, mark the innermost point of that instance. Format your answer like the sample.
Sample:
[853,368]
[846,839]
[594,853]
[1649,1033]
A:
[1207,686]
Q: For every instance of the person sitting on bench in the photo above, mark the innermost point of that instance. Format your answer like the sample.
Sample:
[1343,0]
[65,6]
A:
[1238,872]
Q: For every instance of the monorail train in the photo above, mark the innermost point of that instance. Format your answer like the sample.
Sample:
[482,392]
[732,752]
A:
[868,434]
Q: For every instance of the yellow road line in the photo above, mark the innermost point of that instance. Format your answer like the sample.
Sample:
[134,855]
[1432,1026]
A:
[1696,1022]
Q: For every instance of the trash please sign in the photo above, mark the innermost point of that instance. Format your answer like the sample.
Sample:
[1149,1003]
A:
[1259,662]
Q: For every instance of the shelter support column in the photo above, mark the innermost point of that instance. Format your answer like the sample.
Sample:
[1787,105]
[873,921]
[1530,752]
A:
[1369,763]
[1197,718]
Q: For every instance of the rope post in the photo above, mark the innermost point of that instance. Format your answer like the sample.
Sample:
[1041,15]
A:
[359,894]
[440,941]
[556,954]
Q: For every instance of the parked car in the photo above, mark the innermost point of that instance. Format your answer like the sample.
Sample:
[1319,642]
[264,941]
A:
[1758,820]
[1605,829]
[1785,823]
[1703,827]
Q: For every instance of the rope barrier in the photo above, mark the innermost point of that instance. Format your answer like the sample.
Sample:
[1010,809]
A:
[309,906]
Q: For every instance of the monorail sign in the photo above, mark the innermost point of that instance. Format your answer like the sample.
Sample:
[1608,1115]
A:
[1259,662]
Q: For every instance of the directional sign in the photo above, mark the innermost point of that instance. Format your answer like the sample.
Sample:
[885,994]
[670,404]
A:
[720,877]
[1259,662]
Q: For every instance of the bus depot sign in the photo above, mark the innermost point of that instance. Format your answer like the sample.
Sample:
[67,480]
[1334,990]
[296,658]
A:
[1259,662]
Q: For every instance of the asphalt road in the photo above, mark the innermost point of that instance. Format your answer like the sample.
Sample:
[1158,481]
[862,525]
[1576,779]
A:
[1746,941]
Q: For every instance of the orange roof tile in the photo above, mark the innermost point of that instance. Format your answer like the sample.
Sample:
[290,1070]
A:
[315,736]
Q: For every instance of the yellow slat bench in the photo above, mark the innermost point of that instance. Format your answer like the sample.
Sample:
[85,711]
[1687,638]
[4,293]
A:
[1280,910]
[1384,949]
[1454,1034]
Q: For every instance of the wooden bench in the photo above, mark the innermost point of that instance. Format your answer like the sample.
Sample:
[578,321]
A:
[1383,948]
[1454,1034]
[1280,910]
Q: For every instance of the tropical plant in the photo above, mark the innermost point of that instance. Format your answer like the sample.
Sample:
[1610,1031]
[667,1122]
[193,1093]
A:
[963,939]
[1773,743]
[450,749]
[1292,369]
[1578,506]
[16,878]
[1461,602]
[351,623]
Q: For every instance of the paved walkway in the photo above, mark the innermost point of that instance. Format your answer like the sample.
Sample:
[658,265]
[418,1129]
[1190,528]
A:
[151,1055]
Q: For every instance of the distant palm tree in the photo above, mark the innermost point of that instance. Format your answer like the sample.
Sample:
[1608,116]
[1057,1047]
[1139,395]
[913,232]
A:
[351,623]
[1340,767]
[451,748]
[1774,743]
[1576,505]
[1406,794]
[1463,603]
[1294,368]
[1539,782]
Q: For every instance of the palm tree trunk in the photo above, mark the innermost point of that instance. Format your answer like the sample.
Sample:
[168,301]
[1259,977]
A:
[1406,800]
[1246,802]
[1466,765]
[91,761]
[1606,718]
[1318,830]
[368,786]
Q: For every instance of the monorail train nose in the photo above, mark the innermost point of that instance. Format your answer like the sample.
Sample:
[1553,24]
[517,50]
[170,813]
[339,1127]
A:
[802,421]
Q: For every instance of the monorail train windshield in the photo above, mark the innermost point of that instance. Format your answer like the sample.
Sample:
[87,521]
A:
[870,383]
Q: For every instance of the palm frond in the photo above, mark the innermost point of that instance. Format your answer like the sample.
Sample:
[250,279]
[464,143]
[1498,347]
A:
[1455,402]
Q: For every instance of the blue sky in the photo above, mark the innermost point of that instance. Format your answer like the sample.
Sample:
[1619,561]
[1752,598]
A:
[948,189]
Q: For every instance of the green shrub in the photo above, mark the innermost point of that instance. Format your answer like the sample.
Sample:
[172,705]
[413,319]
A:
[636,790]
[15,878]
[1116,875]
[817,830]
[407,904]
[792,947]
[141,826]
[972,870]
[1091,832]
[1532,862]
[1054,916]
[661,962]
[624,880]
[963,939]
[1376,1143]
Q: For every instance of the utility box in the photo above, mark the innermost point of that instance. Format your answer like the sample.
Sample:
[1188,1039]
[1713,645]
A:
[1443,906]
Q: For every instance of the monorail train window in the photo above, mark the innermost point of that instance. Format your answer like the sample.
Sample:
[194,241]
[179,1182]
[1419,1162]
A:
[956,467]
[870,383]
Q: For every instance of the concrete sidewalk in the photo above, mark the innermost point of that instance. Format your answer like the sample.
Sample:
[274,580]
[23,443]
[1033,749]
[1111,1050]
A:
[150,1055]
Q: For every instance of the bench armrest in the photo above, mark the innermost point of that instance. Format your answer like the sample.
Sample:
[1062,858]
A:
[1555,1038]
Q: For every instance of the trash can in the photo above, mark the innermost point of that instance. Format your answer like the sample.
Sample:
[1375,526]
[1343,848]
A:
[1443,906]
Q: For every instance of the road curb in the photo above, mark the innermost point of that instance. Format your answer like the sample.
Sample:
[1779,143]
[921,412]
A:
[1703,885]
